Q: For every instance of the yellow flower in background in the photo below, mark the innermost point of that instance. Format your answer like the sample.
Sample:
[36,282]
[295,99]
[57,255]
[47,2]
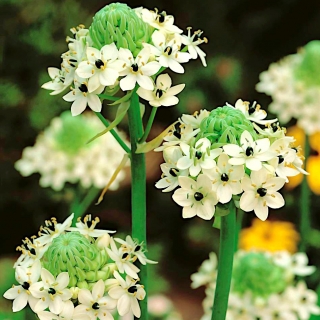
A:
[269,236]
[312,163]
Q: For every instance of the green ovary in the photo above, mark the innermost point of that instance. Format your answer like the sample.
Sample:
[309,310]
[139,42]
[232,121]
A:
[119,24]
[256,273]
[308,70]
[225,125]
[73,253]
[73,134]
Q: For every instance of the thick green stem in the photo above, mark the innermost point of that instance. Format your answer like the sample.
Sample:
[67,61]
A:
[305,224]
[226,251]
[138,189]
[149,125]
[113,132]
[79,208]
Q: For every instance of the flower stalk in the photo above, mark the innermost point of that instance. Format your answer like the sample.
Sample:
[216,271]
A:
[305,226]
[138,188]
[227,245]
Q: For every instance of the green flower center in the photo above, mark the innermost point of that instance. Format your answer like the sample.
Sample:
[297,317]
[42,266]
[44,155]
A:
[120,24]
[255,272]
[74,253]
[308,71]
[74,132]
[225,125]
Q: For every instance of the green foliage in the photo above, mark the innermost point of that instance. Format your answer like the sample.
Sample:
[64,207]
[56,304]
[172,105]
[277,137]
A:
[10,94]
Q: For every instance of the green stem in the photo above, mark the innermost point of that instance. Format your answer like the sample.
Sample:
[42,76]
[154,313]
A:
[113,132]
[138,189]
[305,224]
[79,208]
[227,244]
[239,214]
[106,97]
[149,125]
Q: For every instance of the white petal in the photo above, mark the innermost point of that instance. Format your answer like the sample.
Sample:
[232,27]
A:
[84,70]
[79,106]
[128,82]
[98,290]
[135,307]
[261,210]
[109,76]
[84,296]
[123,305]
[116,292]
[20,302]
[94,102]
[145,82]
[189,212]
[248,201]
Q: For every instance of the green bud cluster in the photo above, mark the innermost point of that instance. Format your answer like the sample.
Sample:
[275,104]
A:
[72,135]
[120,24]
[82,259]
[257,273]
[225,125]
[308,71]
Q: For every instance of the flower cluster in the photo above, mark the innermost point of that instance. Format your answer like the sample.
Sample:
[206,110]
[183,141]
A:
[78,272]
[227,154]
[293,83]
[264,286]
[122,49]
[61,154]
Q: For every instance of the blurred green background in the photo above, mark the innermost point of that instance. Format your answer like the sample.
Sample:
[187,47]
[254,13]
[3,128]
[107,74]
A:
[245,36]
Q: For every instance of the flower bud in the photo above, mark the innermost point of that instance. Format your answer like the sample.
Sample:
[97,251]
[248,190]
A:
[120,24]
[225,125]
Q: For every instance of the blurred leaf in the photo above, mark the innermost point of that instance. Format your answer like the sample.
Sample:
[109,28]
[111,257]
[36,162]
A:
[10,94]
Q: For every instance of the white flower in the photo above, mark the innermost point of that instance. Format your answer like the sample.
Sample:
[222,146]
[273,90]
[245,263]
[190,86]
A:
[195,119]
[192,42]
[260,192]
[253,112]
[303,301]
[81,98]
[68,313]
[225,178]
[196,197]
[241,307]
[87,227]
[95,304]
[251,153]
[160,21]
[168,53]
[31,252]
[51,291]
[57,83]
[83,163]
[52,230]
[170,175]
[135,249]
[128,292]
[198,157]
[21,294]
[137,70]
[163,94]
[207,272]
[296,264]
[102,67]
[122,260]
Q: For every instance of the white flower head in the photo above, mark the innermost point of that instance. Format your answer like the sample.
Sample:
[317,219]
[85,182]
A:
[87,227]
[81,97]
[226,179]
[57,83]
[123,260]
[168,53]
[260,193]
[102,67]
[127,292]
[21,294]
[195,119]
[160,21]
[95,304]
[196,197]
[251,153]
[52,230]
[198,157]
[137,70]
[52,292]
[192,42]
[135,249]
[163,94]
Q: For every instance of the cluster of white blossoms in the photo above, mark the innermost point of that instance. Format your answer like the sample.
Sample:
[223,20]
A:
[61,154]
[122,49]
[229,154]
[264,286]
[294,86]
[78,273]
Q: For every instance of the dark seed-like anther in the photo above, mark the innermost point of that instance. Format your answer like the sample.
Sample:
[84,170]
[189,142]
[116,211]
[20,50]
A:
[281,158]
[137,248]
[198,196]
[249,151]
[133,289]
[51,291]
[134,67]
[224,177]
[125,255]
[262,192]
[25,285]
[99,63]
[159,93]
[83,88]
[96,306]
[174,172]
